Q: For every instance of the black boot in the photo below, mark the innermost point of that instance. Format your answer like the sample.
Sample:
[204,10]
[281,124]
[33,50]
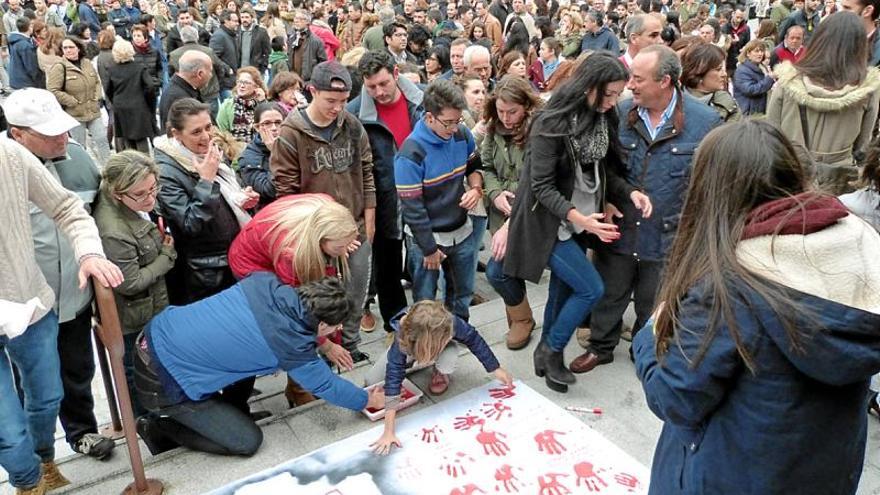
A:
[540,358]
[548,364]
[556,369]
[150,433]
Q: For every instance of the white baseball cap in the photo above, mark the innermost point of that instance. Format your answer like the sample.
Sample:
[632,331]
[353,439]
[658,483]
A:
[37,109]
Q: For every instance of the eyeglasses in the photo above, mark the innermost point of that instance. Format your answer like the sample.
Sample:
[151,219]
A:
[449,125]
[271,123]
[140,198]
[245,83]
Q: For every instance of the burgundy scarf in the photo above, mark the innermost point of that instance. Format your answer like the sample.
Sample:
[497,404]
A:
[803,214]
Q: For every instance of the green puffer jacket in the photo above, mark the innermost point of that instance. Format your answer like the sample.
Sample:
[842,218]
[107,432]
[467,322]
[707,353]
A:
[134,245]
[502,163]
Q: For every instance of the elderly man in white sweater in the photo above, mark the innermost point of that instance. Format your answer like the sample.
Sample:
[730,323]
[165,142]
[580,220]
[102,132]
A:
[27,430]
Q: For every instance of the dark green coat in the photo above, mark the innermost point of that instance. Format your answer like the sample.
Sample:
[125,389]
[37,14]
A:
[135,246]
[502,163]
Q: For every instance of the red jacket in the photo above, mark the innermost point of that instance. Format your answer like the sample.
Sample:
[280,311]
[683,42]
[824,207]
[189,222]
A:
[331,42]
[250,251]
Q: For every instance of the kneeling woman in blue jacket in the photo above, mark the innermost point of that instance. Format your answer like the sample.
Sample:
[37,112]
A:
[259,325]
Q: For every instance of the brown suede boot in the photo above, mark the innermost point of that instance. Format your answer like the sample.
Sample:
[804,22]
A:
[296,395]
[53,477]
[38,489]
[521,324]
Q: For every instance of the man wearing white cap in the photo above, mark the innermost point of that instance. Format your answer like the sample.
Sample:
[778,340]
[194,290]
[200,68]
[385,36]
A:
[77,172]
[27,431]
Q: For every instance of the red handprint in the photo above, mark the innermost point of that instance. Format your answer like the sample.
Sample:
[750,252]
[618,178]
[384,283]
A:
[468,489]
[502,393]
[627,480]
[584,471]
[455,467]
[504,474]
[467,422]
[548,443]
[492,444]
[429,435]
[549,485]
[496,409]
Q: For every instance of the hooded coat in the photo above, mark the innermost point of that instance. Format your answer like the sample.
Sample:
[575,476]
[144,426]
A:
[839,121]
[797,422]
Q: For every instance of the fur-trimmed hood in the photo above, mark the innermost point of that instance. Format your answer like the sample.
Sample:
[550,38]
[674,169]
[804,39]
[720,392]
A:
[805,92]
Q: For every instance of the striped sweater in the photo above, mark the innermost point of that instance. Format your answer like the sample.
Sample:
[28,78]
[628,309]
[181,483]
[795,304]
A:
[429,173]
[23,178]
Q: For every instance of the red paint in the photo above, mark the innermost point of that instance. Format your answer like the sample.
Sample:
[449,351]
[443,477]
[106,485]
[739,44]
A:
[429,435]
[496,410]
[508,481]
[502,393]
[548,443]
[456,467]
[550,485]
[492,444]
[467,422]
[592,480]
[468,489]
[627,480]
[405,394]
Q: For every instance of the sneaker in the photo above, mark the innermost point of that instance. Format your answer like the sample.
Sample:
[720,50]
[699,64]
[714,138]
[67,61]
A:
[357,356]
[38,489]
[52,477]
[368,321]
[94,445]
[439,382]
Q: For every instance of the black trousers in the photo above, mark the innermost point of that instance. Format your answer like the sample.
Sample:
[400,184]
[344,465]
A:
[626,278]
[387,272]
[75,351]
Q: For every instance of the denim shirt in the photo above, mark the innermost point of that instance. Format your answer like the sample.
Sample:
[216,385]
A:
[667,114]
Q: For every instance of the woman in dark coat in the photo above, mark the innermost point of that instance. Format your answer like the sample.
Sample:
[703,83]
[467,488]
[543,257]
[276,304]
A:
[570,172]
[253,163]
[759,356]
[126,86]
[752,80]
[145,55]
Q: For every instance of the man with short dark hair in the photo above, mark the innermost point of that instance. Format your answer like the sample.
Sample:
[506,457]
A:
[491,25]
[395,41]
[353,29]
[24,71]
[807,17]
[389,106]
[429,170]
[324,149]
[255,45]
[868,11]
[660,128]
[597,36]
[173,41]
[226,44]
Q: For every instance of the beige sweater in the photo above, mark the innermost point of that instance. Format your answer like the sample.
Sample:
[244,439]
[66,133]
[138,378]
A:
[24,178]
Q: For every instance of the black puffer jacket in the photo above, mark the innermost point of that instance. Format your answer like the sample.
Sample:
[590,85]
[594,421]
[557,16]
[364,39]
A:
[202,224]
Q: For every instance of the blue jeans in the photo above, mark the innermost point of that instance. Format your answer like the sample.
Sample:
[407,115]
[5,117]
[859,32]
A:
[27,435]
[511,289]
[459,269]
[575,287]
[479,224]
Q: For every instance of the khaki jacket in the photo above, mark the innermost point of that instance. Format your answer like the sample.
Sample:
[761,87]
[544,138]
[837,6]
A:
[839,121]
[78,89]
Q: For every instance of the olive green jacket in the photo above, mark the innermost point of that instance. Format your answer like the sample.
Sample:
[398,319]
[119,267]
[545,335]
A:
[77,88]
[502,163]
[135,246]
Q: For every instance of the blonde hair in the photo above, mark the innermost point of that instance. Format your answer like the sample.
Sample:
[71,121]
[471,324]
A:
[425,330]
[228,145]
[299,230]
[750,47]
[353,56]
[125,169]
[123,51]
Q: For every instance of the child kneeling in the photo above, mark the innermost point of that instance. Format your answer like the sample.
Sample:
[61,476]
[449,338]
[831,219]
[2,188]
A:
[426,333]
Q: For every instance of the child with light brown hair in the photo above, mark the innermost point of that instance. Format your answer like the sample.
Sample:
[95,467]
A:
[426,333]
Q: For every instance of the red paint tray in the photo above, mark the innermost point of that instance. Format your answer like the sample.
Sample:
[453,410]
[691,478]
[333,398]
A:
[409,395]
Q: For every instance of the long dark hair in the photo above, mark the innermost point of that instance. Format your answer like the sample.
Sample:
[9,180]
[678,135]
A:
[595,72]
[517,38]
[838,53]
[738,167]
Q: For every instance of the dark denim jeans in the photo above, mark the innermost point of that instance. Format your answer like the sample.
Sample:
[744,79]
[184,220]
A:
[575,287]
[76,355]
[458,272]
[27,434]
[511,289]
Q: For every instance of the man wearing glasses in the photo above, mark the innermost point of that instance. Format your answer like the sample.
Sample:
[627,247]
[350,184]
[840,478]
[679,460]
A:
[428,171]
[72,166]
[395,41]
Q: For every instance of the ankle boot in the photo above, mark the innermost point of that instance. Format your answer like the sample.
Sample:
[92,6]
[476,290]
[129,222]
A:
[52,476]
[556,369]
[520,323]
[38,489]
[296,395]
[540,359]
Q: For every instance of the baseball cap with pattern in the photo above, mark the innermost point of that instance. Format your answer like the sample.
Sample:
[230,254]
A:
[37,109]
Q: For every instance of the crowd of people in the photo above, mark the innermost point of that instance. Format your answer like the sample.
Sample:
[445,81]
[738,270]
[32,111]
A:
[251,178]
